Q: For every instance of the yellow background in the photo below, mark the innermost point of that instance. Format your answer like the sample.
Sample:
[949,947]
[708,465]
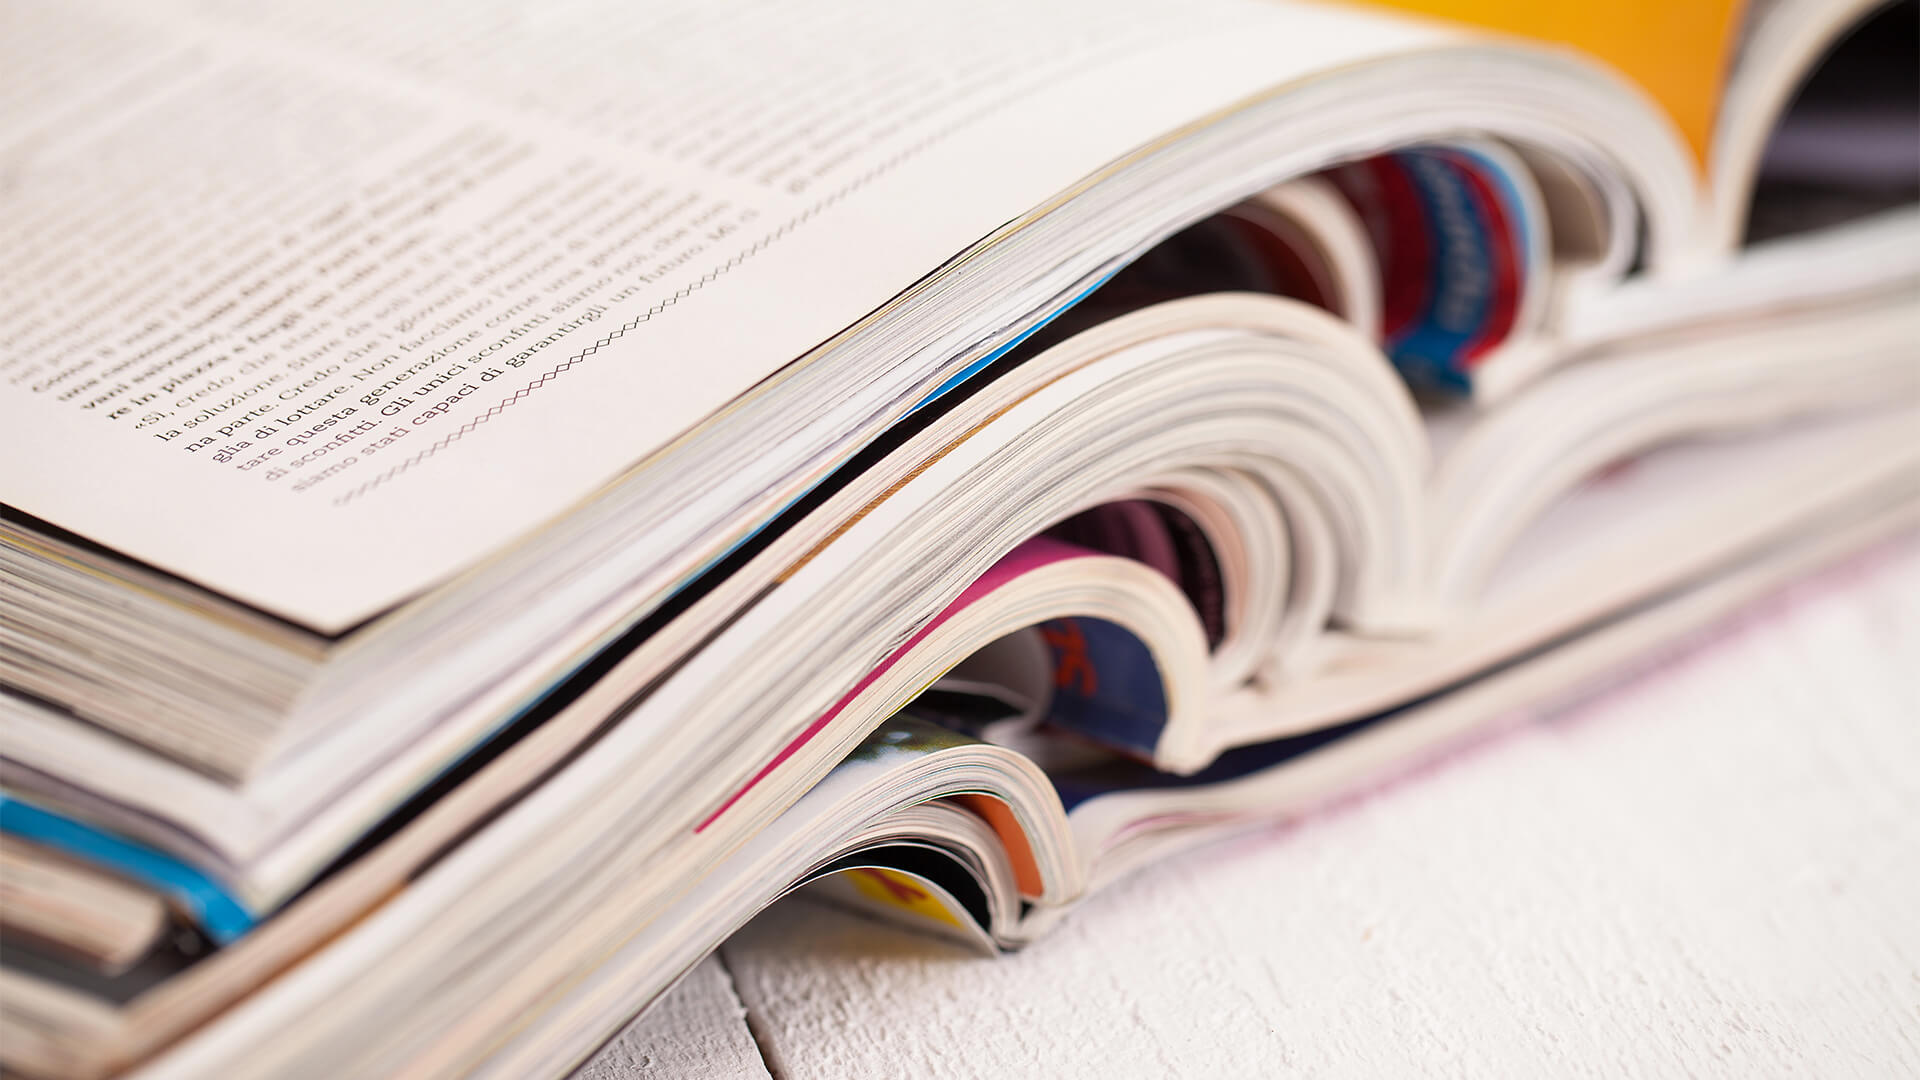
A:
[1677,51]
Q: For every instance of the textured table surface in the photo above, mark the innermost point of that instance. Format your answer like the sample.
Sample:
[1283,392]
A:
[1710,869]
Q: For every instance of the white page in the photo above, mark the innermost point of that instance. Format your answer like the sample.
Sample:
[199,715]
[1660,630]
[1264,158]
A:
[525,247]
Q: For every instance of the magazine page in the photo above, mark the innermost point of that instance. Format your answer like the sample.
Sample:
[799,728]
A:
[314,305]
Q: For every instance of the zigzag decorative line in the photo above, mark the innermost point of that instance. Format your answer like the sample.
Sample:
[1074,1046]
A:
[453,436]
[684,291]
[836,196]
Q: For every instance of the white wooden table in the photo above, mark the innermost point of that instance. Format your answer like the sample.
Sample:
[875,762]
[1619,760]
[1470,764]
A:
[1712,869]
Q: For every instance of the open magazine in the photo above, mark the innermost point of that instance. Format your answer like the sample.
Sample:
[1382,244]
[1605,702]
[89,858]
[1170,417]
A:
[494,497]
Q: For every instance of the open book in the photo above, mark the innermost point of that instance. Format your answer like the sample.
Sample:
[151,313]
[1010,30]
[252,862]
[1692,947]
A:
[483,485]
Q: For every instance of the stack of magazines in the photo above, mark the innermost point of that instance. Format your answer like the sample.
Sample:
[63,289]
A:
[496,494]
